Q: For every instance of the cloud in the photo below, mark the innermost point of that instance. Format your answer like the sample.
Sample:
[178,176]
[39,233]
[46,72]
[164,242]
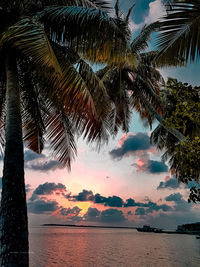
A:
[130,203]
[112,216]
[92,214]
[40,162]
[39,206]
[146,12]
[99,199]
[49,188]
[105,216]
[29,155]
[139,145]
[169,182]
[140,211]
[131,144]
[148,207]
[85,195]
[140,10]
[174,197]
[114,201]
[155,207]
[0,182]
[144,164]
[44,166]
[71,214]
[156,11]
[180,204]
[172,183]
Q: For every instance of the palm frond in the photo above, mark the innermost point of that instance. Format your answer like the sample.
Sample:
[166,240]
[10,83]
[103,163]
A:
[34,109]
[117,9]
[97,4]
[96,88]
[118,94]
[129,13]
[140,43]
[80,93]
[179,37]
[89,31]
[2,113]
[60,132]
[28,37]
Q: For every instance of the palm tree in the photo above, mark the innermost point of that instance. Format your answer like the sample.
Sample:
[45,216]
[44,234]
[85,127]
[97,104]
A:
[134,86]
[42,92]
[180,31]
[137,86]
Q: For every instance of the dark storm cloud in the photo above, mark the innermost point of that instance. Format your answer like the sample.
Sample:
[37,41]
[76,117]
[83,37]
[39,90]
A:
[150,206]
[40,206]
[44,166]
[0,182]
[181,205]
[114,201]
[154,166]
[174,197]
[49,188]
[155,207]
[112,216]
[39,162]
[86,195]
[131,144]
[150,166]
[30,155]
[92,214]
[70,211]
[140,211]
[99,199]
[130,203]
[172,183]
[105,216]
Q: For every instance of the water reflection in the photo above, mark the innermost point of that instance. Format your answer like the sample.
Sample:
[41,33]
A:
[83,247]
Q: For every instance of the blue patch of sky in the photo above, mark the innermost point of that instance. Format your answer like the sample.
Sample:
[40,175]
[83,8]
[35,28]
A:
[188,74]
[140,10]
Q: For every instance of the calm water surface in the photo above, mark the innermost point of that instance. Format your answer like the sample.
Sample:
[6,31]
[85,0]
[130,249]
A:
[83,247]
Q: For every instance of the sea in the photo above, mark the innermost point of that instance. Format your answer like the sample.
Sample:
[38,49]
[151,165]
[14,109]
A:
[96,247]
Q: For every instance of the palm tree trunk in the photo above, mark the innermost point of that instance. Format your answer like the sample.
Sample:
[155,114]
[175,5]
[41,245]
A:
[14,221]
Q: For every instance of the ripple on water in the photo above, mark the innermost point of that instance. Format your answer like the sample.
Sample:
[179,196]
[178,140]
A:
[75,247]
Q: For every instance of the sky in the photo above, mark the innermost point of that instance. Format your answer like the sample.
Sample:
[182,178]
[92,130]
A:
[124,184]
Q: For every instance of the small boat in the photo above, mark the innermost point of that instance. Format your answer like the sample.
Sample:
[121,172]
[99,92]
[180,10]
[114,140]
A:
[149,229]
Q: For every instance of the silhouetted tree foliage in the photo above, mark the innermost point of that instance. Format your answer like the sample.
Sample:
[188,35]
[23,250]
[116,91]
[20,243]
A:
[182,112]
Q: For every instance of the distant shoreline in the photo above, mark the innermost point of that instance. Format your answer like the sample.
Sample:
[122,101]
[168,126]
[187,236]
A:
[87,226]
[119,227]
